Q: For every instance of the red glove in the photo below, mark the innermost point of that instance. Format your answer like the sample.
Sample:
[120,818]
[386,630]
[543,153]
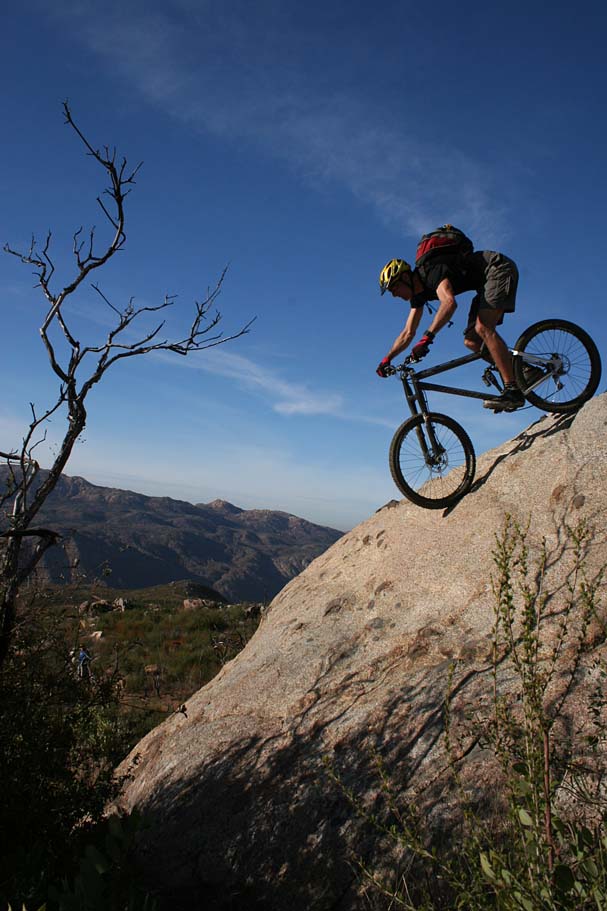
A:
[381,370]
[423,346]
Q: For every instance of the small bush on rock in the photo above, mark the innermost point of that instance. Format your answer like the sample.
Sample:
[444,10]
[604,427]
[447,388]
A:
[540,731]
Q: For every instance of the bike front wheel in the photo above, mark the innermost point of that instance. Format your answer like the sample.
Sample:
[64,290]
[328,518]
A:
[432,460]
[568,359]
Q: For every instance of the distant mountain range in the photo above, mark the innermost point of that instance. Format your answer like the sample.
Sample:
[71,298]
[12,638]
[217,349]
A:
[133,541]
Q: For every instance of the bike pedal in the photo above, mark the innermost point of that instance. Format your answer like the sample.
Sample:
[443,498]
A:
[489,379]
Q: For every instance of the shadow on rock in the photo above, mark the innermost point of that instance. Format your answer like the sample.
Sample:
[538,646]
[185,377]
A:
[522,442]
[266,826]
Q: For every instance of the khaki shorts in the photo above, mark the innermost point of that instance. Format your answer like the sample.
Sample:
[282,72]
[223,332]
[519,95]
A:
[499,291]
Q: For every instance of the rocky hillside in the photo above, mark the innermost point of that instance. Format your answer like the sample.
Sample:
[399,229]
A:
[355,655]
[247,555]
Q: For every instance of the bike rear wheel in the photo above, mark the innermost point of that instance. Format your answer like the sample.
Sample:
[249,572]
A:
[573,365]
[432,460]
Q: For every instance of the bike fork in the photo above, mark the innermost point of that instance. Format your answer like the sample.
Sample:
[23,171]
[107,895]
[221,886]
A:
[425,432]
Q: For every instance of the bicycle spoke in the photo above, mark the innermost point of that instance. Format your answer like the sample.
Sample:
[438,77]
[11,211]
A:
[576,370]
[574,373]
[438,472]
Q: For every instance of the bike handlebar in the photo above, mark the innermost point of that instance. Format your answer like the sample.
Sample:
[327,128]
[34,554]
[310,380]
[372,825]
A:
[406,364]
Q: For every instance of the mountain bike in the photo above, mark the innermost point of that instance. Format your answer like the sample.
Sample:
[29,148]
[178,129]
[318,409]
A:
[556,365]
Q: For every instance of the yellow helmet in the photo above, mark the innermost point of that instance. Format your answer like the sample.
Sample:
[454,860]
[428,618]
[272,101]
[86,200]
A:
[391,272]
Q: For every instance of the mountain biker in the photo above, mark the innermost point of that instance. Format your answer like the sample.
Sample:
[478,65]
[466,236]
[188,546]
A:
[492,275]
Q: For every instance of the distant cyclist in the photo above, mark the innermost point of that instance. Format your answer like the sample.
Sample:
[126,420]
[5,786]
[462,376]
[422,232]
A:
[446,266]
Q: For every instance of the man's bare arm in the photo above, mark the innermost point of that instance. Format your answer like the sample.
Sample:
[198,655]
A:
[447,306]
[402,341]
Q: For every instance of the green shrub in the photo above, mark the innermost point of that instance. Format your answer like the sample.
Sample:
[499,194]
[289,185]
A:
[61,740]
[546,850]
[104,877]
[62,737]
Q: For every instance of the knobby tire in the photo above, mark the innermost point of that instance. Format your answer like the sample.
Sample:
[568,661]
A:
[444,485]
[582,365]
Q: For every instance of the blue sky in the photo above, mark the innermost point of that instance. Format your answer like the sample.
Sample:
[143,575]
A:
[305,145]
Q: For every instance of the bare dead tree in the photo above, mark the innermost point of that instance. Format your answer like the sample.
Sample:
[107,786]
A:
[78,368]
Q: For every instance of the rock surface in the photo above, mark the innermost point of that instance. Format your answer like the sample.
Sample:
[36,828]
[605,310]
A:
[353,653]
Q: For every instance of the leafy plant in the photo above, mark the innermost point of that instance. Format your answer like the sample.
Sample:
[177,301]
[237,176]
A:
[61,740]
[104,879]
[541,731]
[63,736]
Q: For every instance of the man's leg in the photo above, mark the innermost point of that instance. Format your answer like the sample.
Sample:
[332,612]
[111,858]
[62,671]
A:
[472,341]
[486,321]
[471,337]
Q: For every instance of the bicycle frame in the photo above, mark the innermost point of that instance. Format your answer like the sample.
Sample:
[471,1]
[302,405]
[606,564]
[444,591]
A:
[415,387]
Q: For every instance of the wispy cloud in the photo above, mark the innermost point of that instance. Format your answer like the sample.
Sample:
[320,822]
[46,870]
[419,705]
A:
[287,397]
[283,396]
[200,66]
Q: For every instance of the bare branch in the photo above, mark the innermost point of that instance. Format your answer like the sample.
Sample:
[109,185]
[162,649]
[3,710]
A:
[47,540]
[111,220]
[28,487]
[44,281]
[130,313]
[61,373]
[184,348]
[42,264]
[68,335]
[35,446]
[117,193]
[31,532]
[108,302]
[198,338]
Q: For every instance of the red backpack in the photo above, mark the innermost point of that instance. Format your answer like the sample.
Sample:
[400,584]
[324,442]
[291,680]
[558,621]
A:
[445,240]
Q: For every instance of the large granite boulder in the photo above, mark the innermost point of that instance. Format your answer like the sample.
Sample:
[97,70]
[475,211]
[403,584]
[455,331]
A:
[352,654]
